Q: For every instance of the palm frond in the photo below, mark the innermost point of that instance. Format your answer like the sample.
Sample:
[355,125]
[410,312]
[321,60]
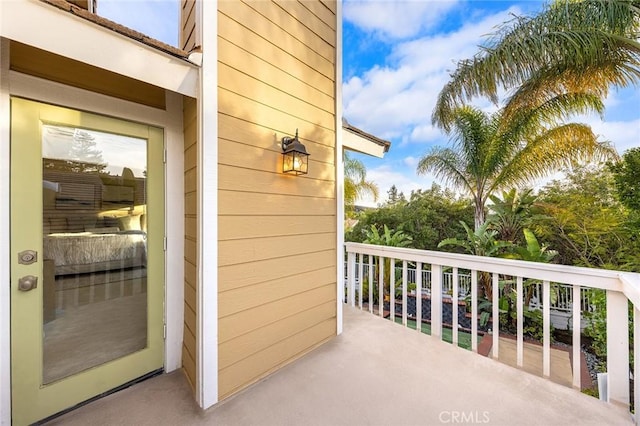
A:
[596,39]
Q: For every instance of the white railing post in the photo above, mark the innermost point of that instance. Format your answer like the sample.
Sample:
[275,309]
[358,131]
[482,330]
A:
[576,312]
[360,279]
[618,347]
[371,283]
[546,329]
[520,322]
[436,301]
[454,307]
[351,279]
[392,290]
[381,287]
[495,325]
[636,364]
[419,297]
[404,293]
[474,311]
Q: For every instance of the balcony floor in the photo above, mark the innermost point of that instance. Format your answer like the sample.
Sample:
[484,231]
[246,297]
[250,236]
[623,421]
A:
[375,373]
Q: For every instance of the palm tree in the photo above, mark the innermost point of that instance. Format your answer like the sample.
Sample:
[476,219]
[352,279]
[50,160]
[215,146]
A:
[355,184]
[571,47]
[491,152]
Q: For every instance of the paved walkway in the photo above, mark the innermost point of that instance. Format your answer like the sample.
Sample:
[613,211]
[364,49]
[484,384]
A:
[375,373]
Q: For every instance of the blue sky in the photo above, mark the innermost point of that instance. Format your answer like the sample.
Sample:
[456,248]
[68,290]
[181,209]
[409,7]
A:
[397,57]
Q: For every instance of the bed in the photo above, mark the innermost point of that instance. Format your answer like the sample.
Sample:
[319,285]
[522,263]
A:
[84,252]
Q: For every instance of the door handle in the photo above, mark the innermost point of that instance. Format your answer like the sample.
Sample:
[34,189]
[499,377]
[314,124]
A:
[27,283]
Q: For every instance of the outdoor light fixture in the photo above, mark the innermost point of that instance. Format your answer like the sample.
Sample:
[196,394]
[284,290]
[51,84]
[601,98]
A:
[295,158]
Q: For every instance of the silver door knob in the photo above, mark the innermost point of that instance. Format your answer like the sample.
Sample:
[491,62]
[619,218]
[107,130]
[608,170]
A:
[28,282]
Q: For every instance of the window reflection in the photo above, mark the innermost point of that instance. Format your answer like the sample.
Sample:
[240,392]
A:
[94,246]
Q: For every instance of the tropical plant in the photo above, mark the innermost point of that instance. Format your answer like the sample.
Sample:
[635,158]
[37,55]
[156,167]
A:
[356,184]
[481,242]
[491,152]
[391,239]
[387,238]
[512,213]
[571,48]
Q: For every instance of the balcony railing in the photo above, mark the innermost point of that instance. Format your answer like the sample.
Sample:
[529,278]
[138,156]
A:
[621,288]
[563,302]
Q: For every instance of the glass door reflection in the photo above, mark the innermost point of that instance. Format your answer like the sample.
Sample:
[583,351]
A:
[94,248]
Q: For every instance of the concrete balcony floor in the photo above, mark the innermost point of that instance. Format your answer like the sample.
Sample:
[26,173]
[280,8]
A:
[375,373]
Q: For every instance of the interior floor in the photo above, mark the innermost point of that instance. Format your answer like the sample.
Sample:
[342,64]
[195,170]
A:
[99,317]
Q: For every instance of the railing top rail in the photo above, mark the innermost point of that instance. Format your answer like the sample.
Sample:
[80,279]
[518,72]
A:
[587,277]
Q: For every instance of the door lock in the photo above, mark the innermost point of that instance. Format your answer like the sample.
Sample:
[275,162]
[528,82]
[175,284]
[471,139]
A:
[28,282]
[27,257]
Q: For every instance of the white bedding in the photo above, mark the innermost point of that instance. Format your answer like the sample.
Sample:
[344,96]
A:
[81,252]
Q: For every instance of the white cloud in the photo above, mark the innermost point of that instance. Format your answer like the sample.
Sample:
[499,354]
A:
[623,134]
[396,19]
[411,161]
[396,101]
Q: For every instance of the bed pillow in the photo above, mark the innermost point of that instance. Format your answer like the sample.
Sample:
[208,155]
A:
[129,223]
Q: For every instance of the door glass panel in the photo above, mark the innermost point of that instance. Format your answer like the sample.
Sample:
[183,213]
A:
[94,248]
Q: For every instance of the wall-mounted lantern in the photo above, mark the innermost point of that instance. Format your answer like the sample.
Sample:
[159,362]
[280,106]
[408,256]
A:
[295,158]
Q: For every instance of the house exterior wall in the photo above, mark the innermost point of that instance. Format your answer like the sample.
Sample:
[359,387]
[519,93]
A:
[277,233]
[190,238]
[187,24]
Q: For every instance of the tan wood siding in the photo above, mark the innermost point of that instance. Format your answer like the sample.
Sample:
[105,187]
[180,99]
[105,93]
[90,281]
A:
[256,366]
[243,322]
[39,63]
[233,252]
[241,275]
[298,104]
[263,139]
[247,298]
[262,338]
[187,24]
[299,65]
[191,238]
[277,233]
[320,95]
[247,227]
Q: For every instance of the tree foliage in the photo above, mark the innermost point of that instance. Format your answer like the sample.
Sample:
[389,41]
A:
[573,47]
[428,217]
[494,152]
[586,223]
[356,184]
[626,175]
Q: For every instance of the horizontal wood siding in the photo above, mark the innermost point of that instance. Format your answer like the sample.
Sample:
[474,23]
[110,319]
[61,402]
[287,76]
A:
[277,233]
[187,24]
[190,239]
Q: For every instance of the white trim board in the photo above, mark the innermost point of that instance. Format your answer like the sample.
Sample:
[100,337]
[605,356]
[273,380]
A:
[339,174]
[207,303]
[171,120]
[5,242]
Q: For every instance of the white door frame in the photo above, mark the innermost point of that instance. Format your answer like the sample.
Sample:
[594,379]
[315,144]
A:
[16,84]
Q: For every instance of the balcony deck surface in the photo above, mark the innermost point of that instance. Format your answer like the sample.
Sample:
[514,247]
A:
[375,373]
